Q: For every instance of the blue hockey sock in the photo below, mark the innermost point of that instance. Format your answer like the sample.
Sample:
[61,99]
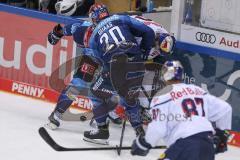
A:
[100,114]
[63,103]
[133,113]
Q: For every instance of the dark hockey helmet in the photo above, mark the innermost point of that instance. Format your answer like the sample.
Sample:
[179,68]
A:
[98,12]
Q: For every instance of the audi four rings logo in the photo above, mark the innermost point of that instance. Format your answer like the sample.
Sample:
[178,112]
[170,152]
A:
[206,37]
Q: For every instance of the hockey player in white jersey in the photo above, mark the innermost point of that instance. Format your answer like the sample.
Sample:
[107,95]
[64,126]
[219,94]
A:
[165,42]
[182,116]
[156,27]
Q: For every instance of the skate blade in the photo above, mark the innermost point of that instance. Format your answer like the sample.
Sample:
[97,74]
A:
[97,141]
[51,126]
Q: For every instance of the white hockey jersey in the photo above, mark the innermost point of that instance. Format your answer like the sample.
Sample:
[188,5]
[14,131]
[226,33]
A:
[156,27]
[181,110]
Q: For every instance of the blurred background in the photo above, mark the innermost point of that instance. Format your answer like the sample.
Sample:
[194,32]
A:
[115,6]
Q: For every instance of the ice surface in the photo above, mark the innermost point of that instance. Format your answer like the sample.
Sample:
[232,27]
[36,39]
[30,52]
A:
[21,117]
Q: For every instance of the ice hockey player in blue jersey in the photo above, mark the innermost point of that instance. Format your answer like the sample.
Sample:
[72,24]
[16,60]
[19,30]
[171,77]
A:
[81,32]
[115,35]
[182,115]
[80,80]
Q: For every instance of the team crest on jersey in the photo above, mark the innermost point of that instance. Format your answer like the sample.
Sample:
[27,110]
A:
[87,68]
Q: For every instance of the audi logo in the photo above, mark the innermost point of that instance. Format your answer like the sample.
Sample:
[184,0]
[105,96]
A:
[205,37]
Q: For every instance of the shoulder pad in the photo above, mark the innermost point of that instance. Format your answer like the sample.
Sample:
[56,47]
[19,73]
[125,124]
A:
[165,90]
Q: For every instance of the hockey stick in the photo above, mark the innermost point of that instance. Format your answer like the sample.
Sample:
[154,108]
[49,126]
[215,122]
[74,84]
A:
[119,148]
[146,94]
[48,139]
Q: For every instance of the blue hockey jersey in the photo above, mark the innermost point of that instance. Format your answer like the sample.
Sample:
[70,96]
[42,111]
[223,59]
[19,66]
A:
[78,31]
[81,33]
[111,32]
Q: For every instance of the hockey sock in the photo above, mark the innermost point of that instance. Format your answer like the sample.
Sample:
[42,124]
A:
[63,103]
[133,113]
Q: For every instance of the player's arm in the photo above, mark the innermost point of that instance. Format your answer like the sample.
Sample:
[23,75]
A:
[156,130]
[139,29]
[59,31]
[68,30]
[220,112]
[72,28]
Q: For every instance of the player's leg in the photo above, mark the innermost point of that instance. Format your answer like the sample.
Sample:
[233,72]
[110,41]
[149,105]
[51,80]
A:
[104,90]
[101,110]
[114,117]
[104,100]
[63,103]
[130,100]
[181,150]
[67,96]
[197,147]
[101,133]
[127,80]
[133,112]
[207,147]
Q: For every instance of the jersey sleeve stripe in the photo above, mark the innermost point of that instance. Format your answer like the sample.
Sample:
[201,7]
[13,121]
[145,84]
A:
[162,103]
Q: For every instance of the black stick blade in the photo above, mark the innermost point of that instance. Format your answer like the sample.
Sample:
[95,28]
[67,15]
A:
[48,139]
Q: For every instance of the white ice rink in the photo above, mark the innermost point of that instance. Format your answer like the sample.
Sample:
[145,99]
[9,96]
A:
[21,117]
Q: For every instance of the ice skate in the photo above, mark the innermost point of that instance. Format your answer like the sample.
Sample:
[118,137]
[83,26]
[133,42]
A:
[98,136]
[54,121]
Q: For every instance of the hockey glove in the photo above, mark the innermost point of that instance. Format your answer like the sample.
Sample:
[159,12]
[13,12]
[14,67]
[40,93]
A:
[140,147]
[220,140]
[145,116]
[153,53]
[55,35]
[145,54]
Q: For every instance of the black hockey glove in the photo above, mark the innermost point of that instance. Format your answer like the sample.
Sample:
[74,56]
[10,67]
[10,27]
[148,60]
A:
[55,35]
[140,147]
[145,115]
[220,140]
[144,55]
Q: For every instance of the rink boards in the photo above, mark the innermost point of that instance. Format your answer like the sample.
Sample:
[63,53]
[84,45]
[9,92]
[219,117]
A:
[27,62]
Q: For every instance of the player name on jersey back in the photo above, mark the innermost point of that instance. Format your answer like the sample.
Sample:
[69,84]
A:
[186,91]
[105,27]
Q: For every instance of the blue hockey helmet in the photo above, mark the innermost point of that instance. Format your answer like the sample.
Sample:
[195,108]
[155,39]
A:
[172,70]
[98,12]
[166,43]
